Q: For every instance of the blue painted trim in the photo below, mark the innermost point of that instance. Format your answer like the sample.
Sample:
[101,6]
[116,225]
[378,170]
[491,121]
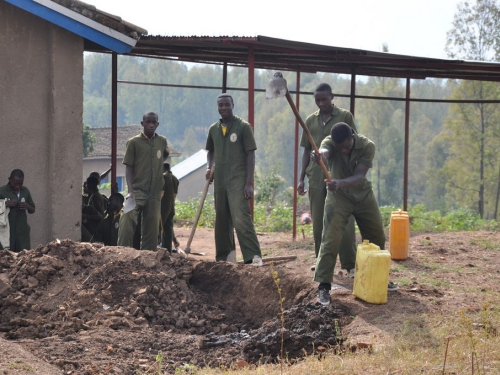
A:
[75,27]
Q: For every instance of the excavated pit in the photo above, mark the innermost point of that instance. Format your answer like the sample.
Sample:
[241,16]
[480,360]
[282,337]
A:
[87,308]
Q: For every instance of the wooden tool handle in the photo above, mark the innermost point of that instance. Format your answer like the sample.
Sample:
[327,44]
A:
[200,208]
[308,134]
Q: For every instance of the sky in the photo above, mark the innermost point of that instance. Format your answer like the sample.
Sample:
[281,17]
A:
[408,27]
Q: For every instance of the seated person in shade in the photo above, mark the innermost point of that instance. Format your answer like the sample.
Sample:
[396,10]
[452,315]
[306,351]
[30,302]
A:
[168,207]
[93,208]
[107,230]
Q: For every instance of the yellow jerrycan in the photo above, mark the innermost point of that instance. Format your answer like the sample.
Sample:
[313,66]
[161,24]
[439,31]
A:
[372,273]
[399,235]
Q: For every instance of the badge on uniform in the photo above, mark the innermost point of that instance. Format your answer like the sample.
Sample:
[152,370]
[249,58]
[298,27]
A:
[158,154]
[233,137]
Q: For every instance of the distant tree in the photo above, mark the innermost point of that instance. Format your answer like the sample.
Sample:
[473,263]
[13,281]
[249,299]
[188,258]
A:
[473,129]
[88,138]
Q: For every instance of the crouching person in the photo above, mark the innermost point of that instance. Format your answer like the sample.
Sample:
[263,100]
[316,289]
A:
[349,157]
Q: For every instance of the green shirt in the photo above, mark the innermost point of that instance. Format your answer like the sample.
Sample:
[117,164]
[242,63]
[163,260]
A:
[230,150]
[18,219]
[146,157]
[169,191]
[340,166]
[318,132]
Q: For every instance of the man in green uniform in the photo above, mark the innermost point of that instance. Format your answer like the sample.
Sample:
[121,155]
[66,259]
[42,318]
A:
[349,157]
[94,208]
[19,201]
[320,124]
[144,159]
[231,146]
[107,230]
[168,207]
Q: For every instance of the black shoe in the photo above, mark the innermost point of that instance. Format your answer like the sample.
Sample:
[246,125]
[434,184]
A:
[391,287]
[324,296]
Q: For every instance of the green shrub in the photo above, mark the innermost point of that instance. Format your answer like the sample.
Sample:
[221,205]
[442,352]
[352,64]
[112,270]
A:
[278,217]
[185,212]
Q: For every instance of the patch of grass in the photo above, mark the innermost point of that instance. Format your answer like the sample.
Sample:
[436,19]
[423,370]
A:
[432,266]
[21,366]
[399,267]
[439,283]
[426,242]
[485,243]
[404,282]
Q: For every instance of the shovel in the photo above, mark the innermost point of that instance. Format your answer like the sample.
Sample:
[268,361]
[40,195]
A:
[187,249]
[277,88]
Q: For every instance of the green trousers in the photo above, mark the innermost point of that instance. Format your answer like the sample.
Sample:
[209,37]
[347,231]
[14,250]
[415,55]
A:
[167,235]
[338,209]
[149,209]
[347,250]
[232,212]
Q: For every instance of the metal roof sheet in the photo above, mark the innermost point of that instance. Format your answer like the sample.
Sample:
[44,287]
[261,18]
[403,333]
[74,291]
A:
[190,165]
[280,54]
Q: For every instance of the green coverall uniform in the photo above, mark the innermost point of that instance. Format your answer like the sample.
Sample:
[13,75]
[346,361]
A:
[232,210]
[107,230]
[168,209]
[317,186]
[358,201]
[18,219]
[146,157]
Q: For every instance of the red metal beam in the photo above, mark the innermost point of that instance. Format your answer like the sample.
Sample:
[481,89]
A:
[296,160]
[114,117]
[251,97]
[407,146]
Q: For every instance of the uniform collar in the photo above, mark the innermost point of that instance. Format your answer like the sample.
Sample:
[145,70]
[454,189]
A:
[334,112]
[12,191]
[357,142]
[144,136]
[221,123]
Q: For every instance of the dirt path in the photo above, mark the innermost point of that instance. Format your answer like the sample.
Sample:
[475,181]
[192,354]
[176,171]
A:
[77,308]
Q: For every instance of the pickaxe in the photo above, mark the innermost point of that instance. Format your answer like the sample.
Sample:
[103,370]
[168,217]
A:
[277,88]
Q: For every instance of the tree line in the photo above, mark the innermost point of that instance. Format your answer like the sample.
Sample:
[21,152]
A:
[453,157]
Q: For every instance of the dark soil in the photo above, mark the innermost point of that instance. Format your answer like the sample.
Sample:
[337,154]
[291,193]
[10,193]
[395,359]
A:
[80,308]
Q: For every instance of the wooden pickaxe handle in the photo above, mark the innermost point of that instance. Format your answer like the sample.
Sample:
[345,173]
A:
[308,134]
[200,208]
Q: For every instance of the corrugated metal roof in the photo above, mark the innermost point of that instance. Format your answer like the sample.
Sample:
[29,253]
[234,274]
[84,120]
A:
[102,145]
[280,54]
[190,165]
[106,19]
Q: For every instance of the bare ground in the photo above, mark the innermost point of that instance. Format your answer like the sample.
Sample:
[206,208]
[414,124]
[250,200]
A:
[79,308]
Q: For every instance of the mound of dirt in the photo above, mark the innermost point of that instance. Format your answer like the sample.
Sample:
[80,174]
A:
[87,308]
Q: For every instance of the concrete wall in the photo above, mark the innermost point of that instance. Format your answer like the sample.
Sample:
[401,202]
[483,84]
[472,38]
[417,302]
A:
[41,105]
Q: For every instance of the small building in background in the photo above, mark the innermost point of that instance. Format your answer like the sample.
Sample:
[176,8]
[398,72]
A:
[99,160]
[191,175]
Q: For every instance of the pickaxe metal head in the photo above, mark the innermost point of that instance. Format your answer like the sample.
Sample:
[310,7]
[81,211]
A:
[276,87]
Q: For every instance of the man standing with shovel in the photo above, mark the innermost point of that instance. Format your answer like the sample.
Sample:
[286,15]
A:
[231,147]
[320,124]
